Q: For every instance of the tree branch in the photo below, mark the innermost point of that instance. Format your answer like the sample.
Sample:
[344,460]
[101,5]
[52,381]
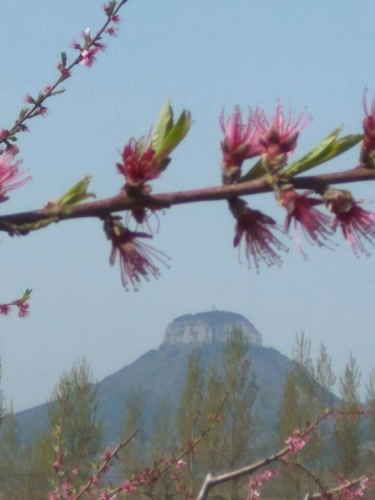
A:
[24,221]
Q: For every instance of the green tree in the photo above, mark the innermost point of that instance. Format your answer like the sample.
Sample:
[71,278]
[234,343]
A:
[324,374]
[212,448]
[298,408]
[190,413]
[164,435]
[163,442]
[228,444]
[326,380]
[240,385]
[75,434]
[371,404]
[14,463]
[135,453]
[347,426]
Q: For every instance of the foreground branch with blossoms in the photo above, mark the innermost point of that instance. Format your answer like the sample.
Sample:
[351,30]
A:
[284,457]
[260,472]
[269,141]
[145,160]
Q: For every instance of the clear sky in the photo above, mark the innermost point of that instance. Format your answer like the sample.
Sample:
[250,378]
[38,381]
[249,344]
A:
[204,56]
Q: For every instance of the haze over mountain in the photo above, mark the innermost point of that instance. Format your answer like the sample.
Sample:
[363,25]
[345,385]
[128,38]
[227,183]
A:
[160,372]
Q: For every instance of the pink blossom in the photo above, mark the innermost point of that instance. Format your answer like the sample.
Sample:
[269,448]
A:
[107,455]
[57,464]
[23,310]
[300,208]
[366,483]
[12,149]
[42,110]
[297,441]
[356,223]
[94,479]
[100,46]
[108,9]
[356,490]
[75,45]
[139,164]
[67,493]
[88,57]
[278,135]
[254,229]
[5,309]
[240,142]
[255,482]
[86,35]
[29,98]
[135,256]
[111,31]
[10,174]
[65,72]
[180,463]
[128,487]
[4,134]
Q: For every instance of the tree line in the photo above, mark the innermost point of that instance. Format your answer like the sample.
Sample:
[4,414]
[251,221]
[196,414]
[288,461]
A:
[214,429]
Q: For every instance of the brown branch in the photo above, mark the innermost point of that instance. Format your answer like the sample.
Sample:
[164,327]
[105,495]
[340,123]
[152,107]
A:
[33,111]
[334,491]
[103,467]
[23,221]
[211,481]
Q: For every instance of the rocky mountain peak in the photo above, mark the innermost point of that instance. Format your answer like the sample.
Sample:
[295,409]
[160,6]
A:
[208,327]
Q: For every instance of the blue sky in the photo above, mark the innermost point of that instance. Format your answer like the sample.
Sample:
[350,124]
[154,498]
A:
[204,56]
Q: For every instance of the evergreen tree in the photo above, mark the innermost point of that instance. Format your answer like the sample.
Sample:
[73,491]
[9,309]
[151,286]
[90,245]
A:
[347,427]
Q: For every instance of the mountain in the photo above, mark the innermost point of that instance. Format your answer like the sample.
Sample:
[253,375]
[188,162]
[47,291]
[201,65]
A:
[208,328]
[160,372]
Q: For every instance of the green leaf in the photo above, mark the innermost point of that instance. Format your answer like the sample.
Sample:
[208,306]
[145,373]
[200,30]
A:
[63,58]
[175,135]
[23,112]
[77,193]
[163,126]
[59,91]
[326,150]
[255,172]
[26,295]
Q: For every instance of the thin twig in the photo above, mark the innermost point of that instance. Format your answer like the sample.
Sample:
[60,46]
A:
[104,465]
[334,491]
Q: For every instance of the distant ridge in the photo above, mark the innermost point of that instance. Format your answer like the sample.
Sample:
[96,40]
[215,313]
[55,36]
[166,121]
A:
[160,373]
[209,327]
